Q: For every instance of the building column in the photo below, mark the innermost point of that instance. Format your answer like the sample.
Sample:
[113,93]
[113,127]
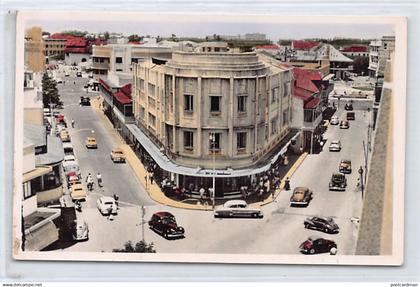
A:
[199,104]
[230,116]
[175,146]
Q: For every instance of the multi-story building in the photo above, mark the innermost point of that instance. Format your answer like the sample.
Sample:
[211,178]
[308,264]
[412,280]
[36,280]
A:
[54,47]
[34,49]
[199,111]
[379,51]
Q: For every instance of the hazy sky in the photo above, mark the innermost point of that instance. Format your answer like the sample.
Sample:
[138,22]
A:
[274,31]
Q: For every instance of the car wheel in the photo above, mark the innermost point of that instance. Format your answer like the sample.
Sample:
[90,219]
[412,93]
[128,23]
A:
[333,251]
[312,251]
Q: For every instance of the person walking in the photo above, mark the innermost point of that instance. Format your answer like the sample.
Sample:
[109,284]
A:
[89,182]
[202,191]
[72,123]
[99,179]
[116,197]
[287,184]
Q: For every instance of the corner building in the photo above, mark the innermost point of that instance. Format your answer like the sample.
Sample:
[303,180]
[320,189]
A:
[230,112]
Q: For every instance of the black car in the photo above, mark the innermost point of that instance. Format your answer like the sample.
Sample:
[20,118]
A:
[348,106]
[84,101]
[345,166]
[350,116]
[325,224]
[164,223]
[318,245]
[338,182]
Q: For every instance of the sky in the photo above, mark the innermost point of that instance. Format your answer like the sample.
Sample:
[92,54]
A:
[182,28]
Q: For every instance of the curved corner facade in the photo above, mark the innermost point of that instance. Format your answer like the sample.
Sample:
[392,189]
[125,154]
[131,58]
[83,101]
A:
[206,110]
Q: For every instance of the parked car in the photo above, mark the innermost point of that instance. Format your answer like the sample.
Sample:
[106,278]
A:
[91,142]
[237,208]
[69,160]
[117,155]
[334,120]
[68,148]
[344,124]
[318,245]
[81,230]
[345,166]
[79,74]
[106,205]
[301,196]
[59,81]
[72,180]
[66,74]
[325,224]
[338,182]
[348,106]
[84,101]
[72,168]
[77,192]
[65,136]
[335,145]
[350,116]
[164,223]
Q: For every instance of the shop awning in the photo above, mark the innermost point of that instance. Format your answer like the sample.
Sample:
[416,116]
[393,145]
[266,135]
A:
[36,173]
[165,163]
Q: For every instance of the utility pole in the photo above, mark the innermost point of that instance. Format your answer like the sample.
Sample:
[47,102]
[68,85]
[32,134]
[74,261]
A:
[361,179]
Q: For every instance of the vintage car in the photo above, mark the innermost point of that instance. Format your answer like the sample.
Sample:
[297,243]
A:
[117,155]
[84,101]
[106,205]
[65,136]
[164,223]
[334,120]
[301,196]
[338,182]
[318,245]
[77,192]
[69,160]
[344,124]
[68,148]
[80,230]
[91,142]
[345,166]
[350,116]
[335,145]
[79,74]
[237,208]
[72,180]
[325,224]
[72,168]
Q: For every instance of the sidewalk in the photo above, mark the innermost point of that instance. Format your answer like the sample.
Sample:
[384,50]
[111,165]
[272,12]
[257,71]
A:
[154,190]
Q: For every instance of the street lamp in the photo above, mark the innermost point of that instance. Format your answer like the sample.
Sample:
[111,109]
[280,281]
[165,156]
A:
[213,142]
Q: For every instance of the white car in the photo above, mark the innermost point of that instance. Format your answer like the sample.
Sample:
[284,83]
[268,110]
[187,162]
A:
[106,205]
[237,208]
[69,160]
[68,149]
[81,230]
[335,145]
[334,120]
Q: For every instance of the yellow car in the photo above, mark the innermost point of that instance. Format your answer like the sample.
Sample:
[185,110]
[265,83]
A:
[77,192]
[117,155]
[91,142]
[64,136]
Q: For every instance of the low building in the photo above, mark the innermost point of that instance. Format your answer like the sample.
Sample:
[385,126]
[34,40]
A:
[76,51]
[34,49]
[355,51]
[200,111]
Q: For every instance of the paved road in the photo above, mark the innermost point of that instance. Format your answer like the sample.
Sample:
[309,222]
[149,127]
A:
[117,178]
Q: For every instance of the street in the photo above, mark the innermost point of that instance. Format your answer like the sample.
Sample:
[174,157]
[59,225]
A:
[280,231]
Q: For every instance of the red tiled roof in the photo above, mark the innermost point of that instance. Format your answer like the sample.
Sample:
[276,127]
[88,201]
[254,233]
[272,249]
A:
[267,47]
[104,85]
[303,45]
[355,49]
[313,103]
[135,43]
[302,93]
[126,90]
[122,98]
[304,79]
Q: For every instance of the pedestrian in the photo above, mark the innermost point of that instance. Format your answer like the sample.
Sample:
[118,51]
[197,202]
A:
[89,182]
[74,82]
[116,197]
[202,191]
[72,123]
[99,179]
[151,178]
[260,194]
[287,184]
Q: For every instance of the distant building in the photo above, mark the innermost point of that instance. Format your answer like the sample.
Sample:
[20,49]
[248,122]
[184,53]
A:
[379,51]
[255,37]
[54,47]
[355,51]
[204,110]
[34,49]
[76,51]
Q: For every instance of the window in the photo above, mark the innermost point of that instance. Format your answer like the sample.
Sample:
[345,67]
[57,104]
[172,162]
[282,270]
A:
[242,104]
[286,89]
[27,190]
[142,84]
[152,120]
[118,60]
[274,126]
[274,95]
[285,117]
[214,142]
[119,70]
[241,141]
[214,104]
[188,140]
[188,103]
[151,88]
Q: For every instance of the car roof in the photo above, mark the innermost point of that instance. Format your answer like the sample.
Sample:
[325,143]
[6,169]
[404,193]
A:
[338,174]
[106,198]
[77,185]
[237,201]
[163,214]
[117,149]
[300,188]
[314,237]
[67,145]
[69,157]
[345,160]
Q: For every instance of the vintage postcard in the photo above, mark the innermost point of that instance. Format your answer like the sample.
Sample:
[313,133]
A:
[187,137]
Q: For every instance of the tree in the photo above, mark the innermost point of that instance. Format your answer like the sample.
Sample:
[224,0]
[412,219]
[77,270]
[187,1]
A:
[50,92]
[361,65]
[135,38]
[106,35]
[139,247]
